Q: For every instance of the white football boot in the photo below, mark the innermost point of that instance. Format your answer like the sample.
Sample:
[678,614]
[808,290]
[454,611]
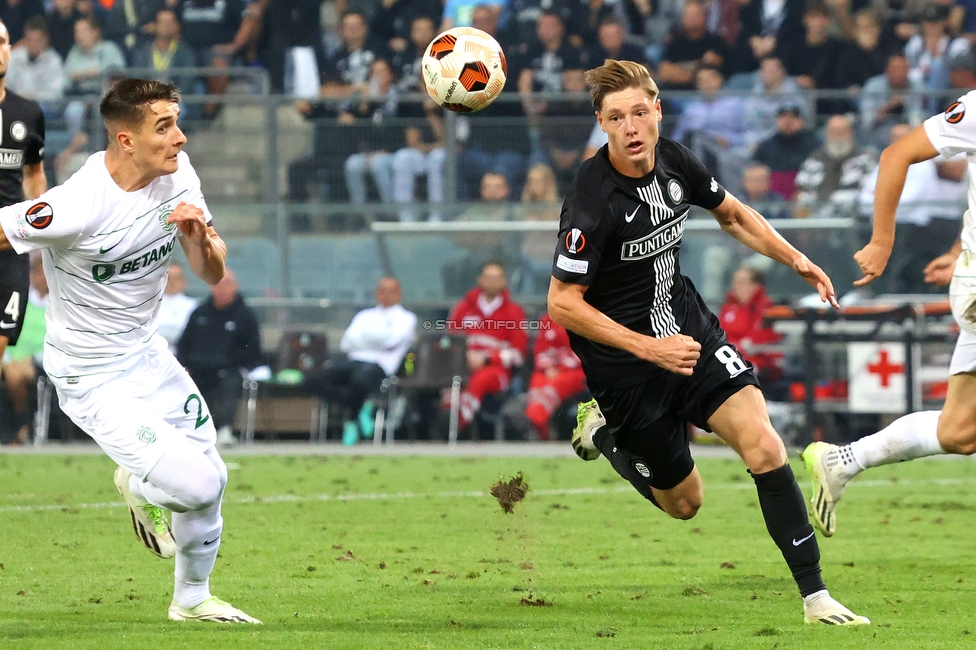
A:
[588,420]
[213,609]
[820,607]
[148,521]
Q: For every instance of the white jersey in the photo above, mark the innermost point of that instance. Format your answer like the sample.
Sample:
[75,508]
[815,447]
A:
[106,253]
[953,132]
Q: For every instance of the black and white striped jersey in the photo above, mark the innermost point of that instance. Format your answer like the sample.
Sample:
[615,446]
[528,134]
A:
[620,237]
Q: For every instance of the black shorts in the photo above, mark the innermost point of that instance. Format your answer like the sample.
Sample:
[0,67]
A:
[649,421]
[14,285]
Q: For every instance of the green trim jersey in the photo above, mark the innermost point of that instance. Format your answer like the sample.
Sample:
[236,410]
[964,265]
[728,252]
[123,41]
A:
[106,253]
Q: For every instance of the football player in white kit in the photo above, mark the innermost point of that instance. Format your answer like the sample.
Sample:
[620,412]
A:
[924,433]
[106,237]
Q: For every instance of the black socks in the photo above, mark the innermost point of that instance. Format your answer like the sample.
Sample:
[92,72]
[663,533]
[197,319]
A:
[786,518]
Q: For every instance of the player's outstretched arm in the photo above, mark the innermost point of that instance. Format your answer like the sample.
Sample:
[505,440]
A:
[752,229]
[892,170]
[205,251]
[678,353]
[4,244]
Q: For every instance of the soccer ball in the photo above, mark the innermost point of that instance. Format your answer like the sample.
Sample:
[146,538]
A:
[464,69]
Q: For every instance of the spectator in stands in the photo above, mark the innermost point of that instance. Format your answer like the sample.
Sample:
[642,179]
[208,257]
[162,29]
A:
[962,72]
[612,43]
[548,55]
[831,177]
[867,55]
[406,62]
[291,41]
[930,51]
[786,150]
[378,105]
[127,23]
[220,344]
[741,317]
[756,192]
[424,154]
[166,51]
[927,218]
[767,25]
[175,307]
[213,31]
[539,202]
[346,72]
[23,362]
[565,127]
[373,347]
[394,23]
[496,338]
[814,59]
[61,21]
[495,140]
[88,62]
[35,70]
[890,98]
[688,47]
[480,247]
[714,128]
[557,375]
[459,13]
[16,13]
[771,88]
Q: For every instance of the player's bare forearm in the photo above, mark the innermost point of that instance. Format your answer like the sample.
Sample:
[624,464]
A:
[678,353]
[4,243]
[749,227]
[35,181]
[208,257]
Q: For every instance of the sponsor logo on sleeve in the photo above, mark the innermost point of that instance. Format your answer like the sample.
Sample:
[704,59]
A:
[571,265]
[713,186]
[40,215]
[955,112]
[575,241]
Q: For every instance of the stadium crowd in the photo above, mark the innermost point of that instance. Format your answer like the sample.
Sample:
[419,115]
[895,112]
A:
[735,77]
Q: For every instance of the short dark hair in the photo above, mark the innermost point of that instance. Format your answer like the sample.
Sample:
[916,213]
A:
[37,24]
[127,100]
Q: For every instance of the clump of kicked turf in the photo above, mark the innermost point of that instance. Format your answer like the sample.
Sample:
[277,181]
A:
[509,494]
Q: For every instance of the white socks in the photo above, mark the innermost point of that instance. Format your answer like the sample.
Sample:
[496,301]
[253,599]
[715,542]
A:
[912,436]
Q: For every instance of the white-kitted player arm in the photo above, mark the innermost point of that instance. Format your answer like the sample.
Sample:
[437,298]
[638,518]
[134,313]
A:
[892,170]
[56,218]
[206,252]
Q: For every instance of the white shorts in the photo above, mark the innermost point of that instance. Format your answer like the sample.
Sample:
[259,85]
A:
[138,415]
[964,355]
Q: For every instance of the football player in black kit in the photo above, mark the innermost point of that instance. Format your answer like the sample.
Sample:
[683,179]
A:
[21,177]
[655,357]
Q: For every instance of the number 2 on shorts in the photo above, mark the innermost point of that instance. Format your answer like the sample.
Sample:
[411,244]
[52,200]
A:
[732,361]
[201,418]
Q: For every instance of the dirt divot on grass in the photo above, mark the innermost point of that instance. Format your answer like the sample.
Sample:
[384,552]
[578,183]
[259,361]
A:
[511,493]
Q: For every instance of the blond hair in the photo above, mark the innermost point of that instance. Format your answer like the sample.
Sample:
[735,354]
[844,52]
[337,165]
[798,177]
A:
[550,193]
[616,75]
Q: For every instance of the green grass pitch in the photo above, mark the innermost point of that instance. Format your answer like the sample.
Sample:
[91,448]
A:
[411,552]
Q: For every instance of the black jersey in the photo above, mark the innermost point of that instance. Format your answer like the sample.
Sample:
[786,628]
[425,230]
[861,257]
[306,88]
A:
[21,143]
[620,237]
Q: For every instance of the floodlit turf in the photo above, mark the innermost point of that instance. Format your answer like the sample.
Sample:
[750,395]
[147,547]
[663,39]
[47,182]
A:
[407,552]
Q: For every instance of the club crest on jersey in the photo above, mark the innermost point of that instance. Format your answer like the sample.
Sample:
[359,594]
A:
[575,241]
[955,112]
[163,216]
[146,435]
[40,215]
[675,191]
[18,131]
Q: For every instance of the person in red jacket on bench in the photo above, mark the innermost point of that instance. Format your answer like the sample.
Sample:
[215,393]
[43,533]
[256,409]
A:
[742,319]
[556,375]
[495,327]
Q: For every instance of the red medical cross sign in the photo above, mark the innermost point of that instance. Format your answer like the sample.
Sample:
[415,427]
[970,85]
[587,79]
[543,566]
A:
[884,369]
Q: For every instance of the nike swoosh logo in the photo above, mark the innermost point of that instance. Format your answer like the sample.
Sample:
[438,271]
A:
[7,326]
[797,543]
[209,542]
[102,251]
[630,217]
